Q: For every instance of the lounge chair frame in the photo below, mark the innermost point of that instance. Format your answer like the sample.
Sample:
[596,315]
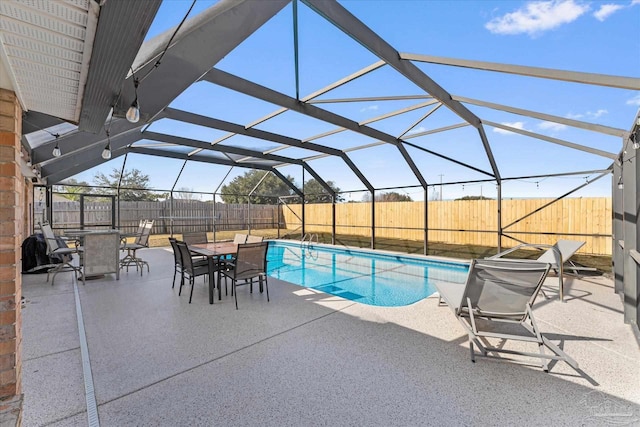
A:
[468,313]
[553,255]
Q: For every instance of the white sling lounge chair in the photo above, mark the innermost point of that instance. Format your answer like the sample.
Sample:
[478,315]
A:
[557,255]
[501,291]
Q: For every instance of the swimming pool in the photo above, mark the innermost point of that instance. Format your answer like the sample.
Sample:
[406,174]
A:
[381,279]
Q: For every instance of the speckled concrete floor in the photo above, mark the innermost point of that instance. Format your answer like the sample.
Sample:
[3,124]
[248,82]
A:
[308,358]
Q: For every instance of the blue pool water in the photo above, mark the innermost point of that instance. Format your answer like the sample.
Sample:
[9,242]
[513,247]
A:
[363,276]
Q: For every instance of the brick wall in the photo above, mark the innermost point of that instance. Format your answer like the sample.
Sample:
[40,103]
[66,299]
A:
[13,193]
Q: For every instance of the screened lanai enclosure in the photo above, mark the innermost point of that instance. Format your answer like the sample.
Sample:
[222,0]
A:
[364,134]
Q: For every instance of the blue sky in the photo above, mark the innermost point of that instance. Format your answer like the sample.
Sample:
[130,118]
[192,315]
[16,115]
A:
[595,37]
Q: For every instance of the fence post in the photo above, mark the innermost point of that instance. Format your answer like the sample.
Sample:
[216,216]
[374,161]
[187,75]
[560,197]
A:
[333,220]
[279,218]
[499,216]
[426,220]
[373,219]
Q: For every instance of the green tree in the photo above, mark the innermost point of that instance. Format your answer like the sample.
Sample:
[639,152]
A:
[134,185]
[240,187]
[391,196]
[185,193]
[316,193]
[474,198]
[72,188]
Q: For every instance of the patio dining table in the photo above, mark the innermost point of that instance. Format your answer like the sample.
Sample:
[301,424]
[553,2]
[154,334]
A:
[213,252]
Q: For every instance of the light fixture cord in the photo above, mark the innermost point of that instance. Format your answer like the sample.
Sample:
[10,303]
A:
[157,64]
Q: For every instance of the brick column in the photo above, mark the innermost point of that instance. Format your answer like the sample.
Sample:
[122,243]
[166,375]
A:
[12,219]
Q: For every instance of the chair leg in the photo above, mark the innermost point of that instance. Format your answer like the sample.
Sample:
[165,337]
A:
[266,285]
[173,284]
[234,291]
[545,363]
[192,280]
[473,353]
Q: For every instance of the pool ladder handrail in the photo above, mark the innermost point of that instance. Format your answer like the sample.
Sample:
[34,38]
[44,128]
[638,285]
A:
[309,239]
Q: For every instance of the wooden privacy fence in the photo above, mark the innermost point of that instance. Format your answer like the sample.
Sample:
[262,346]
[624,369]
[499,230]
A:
[470,222]
[186,215]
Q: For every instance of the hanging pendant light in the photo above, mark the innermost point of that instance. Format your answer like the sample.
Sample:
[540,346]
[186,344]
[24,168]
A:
[56,151]
[106,153]
[133,113]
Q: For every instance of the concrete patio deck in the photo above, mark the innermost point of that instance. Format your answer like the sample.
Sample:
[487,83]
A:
[308,358]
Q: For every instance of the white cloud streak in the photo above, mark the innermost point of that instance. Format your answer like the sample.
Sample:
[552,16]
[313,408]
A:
[369,108]
[417,130]
[537,17]
[636,99]
[517,125]
[552,126]
[606,10]
[596,114]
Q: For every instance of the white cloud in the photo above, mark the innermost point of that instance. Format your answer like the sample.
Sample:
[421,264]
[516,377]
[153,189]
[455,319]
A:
[537,17]
[634,2]
[369,108]
[574,116]
[636,99]
[595,115]
[517,125]
[607,10]
[552,126]
[417,130]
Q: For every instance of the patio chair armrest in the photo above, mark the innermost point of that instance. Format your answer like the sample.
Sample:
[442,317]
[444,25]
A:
[521,246]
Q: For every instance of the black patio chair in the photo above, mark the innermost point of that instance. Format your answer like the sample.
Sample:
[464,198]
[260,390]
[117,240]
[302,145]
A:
[195,237]
[249,263]
[190,268]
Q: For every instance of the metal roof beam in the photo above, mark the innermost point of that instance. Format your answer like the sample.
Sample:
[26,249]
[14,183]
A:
[82,160]
[545,73]
[33,121]
[178,140]
[220,29]
[343,81]
[78,140]
[317,93]
[209,122]
[370,98]
[318,178]
[171,139]
[423,117]
[350,25]
[357,172]
[372,120]
[442,156]
[216,161]
[548,117]
[255,90]
[238,84]
[553,140]
[437,130]
[121,29]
